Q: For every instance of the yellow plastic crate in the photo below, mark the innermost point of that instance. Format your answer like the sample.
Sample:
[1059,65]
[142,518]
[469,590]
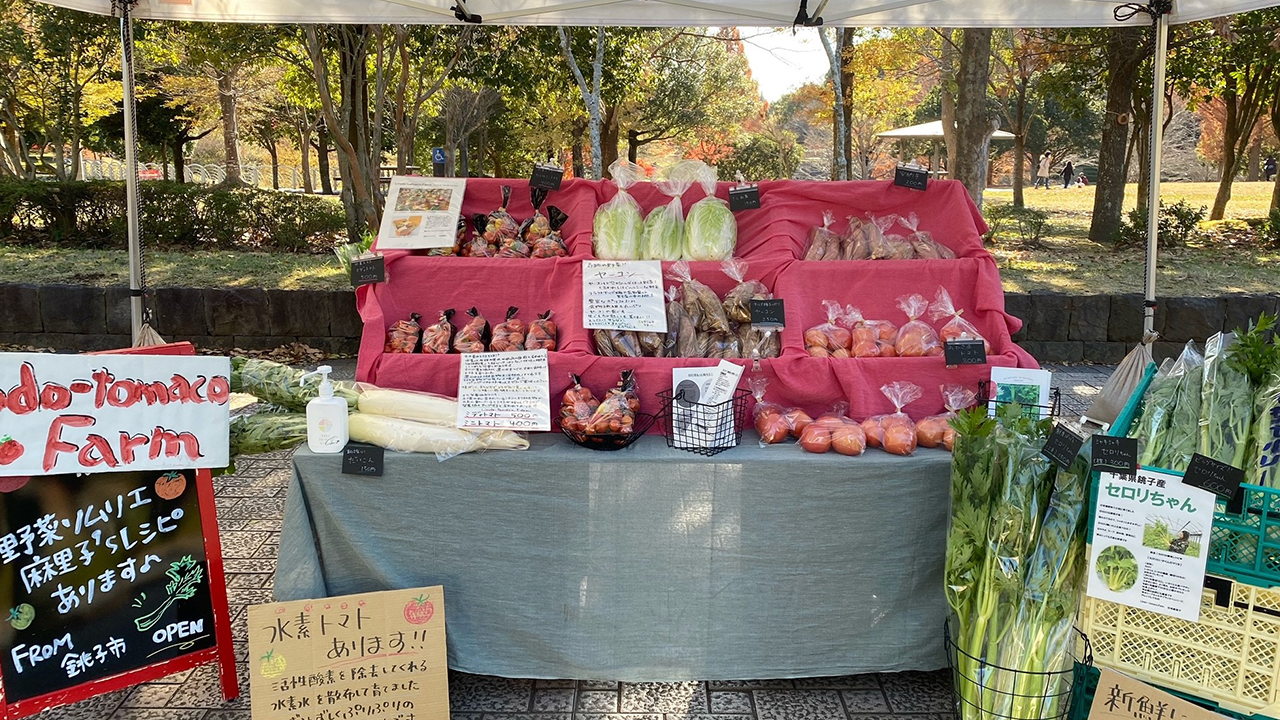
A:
[1231,657]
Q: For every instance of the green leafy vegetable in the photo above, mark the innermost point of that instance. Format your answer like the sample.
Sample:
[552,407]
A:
[280,384]
[267,432]
[1226,406]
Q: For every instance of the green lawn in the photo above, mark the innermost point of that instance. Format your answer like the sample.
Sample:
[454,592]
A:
[1069,262]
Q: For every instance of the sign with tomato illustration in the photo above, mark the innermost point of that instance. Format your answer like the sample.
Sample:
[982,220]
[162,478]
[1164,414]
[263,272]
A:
[384,645]
[112,413]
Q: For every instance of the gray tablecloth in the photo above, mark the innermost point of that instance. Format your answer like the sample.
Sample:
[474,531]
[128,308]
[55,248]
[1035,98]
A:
[645,564]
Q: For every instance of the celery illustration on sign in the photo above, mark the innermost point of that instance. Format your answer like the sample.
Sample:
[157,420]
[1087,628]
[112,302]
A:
[184,579]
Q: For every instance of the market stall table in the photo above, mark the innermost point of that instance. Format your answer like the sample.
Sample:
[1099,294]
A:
[647,564]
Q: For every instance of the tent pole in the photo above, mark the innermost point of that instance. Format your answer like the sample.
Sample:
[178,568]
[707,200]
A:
[131,167]
[1157,141]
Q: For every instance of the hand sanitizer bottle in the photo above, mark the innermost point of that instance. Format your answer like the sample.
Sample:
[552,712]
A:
[326,416]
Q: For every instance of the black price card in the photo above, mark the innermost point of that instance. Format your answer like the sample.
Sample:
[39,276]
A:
[362,459]
[744,197]
[1218,478]
[965,352]
[547,176]
[909,177]
[1063,446]
[768,313]
[1115,454]
[366,271]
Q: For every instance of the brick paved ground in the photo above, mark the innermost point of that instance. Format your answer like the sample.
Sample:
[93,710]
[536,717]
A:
[250,506]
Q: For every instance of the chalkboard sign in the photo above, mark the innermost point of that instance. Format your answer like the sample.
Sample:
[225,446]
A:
[107,574]
[1217,477]
[909,177]
[744,197]
[549,177]
[366,271]
[362,459]
[1114,454]
[965,352]
[768,313]
[1062,446]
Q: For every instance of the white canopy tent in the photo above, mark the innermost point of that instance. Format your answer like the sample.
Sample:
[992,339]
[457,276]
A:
[657,13]
[932,131]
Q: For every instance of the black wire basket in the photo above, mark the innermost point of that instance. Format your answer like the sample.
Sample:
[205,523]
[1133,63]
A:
[612,441]
[703,429]
[1053,409]
[987,691]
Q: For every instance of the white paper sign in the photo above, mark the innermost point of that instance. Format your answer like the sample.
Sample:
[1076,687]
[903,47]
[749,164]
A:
[504,391]
[421,212]
[1017,385]
[623,295]
[693,424]
[112,413]
[1150,541]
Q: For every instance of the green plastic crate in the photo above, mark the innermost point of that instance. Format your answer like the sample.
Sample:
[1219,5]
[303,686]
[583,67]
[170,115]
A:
[1087,686]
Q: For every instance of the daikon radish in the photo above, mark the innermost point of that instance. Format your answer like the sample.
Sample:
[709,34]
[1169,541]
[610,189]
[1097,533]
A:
[409,436]
[419,407]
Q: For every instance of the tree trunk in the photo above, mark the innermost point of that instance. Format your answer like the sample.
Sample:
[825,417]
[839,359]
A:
[1020,149]
[179,162]
[1144,165]
[947,80]
[973,126]
[575,151]
[304,149]
[846,82]
[839,170]
[322,159]
[164,159]
[465,159]
[1230,168]
[1123,57]
[609,141]
[1275,126]
[275,165]
[1253,173]
[633,145]
[230,128]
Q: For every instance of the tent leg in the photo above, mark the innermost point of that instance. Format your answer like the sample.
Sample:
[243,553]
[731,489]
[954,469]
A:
[131,168]
[1157,140]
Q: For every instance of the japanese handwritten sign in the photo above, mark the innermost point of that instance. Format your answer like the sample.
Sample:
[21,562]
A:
[1150,542]
[1120,697]
[504,391]
[103,574]
[379,656]
[110,413]
[623,295]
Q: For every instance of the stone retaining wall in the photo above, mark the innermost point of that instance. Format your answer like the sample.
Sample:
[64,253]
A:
[1058,327]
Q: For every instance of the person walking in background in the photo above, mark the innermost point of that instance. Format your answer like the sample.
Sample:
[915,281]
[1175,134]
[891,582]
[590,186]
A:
[1068,173]
[1042,173]
[1269,168]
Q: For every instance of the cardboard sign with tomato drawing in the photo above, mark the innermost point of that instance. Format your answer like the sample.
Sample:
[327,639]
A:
[112,413]
[374,655]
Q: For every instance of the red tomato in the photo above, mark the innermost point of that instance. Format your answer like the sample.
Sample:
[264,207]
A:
[419,610]
[10,450]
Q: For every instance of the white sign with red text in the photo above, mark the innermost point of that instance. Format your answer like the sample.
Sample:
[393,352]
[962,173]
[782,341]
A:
[112,413]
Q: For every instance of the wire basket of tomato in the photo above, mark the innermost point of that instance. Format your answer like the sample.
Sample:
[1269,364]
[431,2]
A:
[611,441]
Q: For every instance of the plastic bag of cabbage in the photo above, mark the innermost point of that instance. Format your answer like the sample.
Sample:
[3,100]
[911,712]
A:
[664,228]
[710,230]
[618,227]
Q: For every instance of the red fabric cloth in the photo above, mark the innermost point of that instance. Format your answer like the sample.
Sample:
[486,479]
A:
[770,239]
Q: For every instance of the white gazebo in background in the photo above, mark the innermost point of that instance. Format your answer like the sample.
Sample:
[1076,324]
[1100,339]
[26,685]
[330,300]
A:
[932,131]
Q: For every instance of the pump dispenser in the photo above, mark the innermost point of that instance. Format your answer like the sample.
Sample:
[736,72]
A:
[326,416]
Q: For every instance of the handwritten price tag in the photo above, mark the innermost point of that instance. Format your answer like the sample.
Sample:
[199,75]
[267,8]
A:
[504,391]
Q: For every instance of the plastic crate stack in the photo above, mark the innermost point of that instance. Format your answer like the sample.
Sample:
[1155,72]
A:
[1229,661]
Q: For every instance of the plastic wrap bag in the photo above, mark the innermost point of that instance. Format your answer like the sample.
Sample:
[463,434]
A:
[700,301]
[509,335]
[543,334]
[925,247]
[664,228]
[445,442]
[737,302]
[473,337]
[853,244]
[405,335]
[282,385]
[617,343]
[538,226]
[759,343]
[895,246]
[725,346]
[833,430]
[479,245]
[652,344]
[437,339]
[616,414]
[824,243]
[830,339]
[769,419]
[552,244]
[916,339]
[956,327]
[936,430]
[870,338]
[895,432]
[618,226]
[682,331]
[577,406]
[877,244]
[503,232]
[710,230]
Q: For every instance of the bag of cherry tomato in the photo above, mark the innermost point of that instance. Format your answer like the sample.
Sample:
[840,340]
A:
[895,432]
[577,406]
[543,334]
[509,334]
[830,339]
[617,412]
[552,244]
[404,336]
[478,246]
[936,430]
[538,226]
[438,338]
[502,231]
[956,328]
[473,336]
